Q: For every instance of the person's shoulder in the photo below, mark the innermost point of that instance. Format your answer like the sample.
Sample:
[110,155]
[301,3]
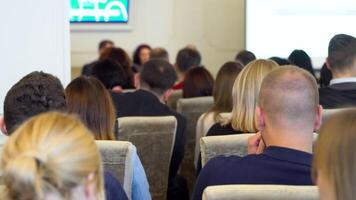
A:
[222,163]
[221,129]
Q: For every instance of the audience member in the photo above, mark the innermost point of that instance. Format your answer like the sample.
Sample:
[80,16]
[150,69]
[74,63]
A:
[334,162]
[89,99]
[37,93]
[287,115]
[245,95]
[325,76]
[342,63]
[159,53]
[198,82]
[244,57]
[111,74]
[187,58]
[120,56]
[156,81]
[105,44]
[140,56]
[53,156]
[301,59]
[222,101]
[280,61]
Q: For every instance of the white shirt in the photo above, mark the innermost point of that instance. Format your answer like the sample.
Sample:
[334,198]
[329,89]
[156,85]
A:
[343,80]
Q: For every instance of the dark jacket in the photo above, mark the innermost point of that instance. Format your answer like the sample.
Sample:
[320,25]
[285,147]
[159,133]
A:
[339,95]
[144,103]
[113,189]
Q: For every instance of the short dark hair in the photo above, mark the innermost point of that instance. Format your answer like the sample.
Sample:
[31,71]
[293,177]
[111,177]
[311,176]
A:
[280,61]
[136,54]
[159,53]
[301,59]
[198,82]
[244,57]
[109,73]
[342,52]
[187,58]
[103,43]
[36,93]
[158,75]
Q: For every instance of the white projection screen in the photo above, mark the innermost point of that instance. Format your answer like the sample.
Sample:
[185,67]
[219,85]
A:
[277,27]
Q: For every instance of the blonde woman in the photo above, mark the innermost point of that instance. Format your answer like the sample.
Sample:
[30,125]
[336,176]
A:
[335,159]
[245,94]
[52,156]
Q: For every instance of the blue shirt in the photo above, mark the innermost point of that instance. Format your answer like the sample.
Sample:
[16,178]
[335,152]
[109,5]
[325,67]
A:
[140,186]
[276,165]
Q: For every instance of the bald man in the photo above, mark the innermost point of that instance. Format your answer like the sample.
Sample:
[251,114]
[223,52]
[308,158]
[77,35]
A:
[288,113]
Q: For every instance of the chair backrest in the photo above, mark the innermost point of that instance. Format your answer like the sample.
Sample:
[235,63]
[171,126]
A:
[329,112]
[128,90]
[191,109]
[117,158]
[173,99]
[154,139]
[260,192]
[225,145]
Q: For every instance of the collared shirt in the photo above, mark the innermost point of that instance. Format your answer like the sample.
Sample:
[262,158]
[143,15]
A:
[342,80]
[277,165]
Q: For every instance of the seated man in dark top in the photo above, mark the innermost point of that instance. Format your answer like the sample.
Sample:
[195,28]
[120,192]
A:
[287,115]
[342,63]
[87,68]
[156,81]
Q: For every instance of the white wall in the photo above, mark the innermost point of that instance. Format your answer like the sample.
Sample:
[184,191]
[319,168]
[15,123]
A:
[34,35]
[216,27]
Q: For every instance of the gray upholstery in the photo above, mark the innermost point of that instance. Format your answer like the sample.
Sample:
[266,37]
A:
[329,112]
[191,109]
[173,99]
[117,159]
[260,192]
[154,138]
[225,145]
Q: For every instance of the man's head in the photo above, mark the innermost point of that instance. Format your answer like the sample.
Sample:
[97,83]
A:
[158,76]
[186,59]
[288,103]
[342,55]
[110,73]
[36,93]
[105,44]
[244,57]
[159,53]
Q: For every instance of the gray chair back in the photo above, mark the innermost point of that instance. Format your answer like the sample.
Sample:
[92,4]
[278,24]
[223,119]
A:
[226,145]
[154,139]
[173,99]
[329,112]
[260,192]
[191,109]
[117,157]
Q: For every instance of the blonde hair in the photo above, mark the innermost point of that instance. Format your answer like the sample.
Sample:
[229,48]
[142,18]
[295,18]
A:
[245,93]
[335,154]
[51,153]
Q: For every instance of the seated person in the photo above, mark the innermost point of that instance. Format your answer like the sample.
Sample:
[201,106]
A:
[156,81]
[301,59]
[334,161]
[198,82]
[222,102]
[90,100]
[159,53]
[342,63]
[111,74]
[244,57]
[187,58]
[245,94]
[37,93]
[53,156]
[105,44]
[287,115]
[141,55]
[280,61]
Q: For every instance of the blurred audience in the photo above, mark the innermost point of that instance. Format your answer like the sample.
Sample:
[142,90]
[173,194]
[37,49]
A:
[89,99]
[187,58]
[325,76]
[198,82]
[288,113]
[280,61]
[105,44]
[159,53]
[301,59]
[244,57]
[140,56]
[342,63]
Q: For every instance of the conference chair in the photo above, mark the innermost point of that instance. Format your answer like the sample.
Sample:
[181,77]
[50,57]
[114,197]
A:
[260,192]
[154,139]
[226,145]
[117,158]
[329,112]
[173,99]
[191,109]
